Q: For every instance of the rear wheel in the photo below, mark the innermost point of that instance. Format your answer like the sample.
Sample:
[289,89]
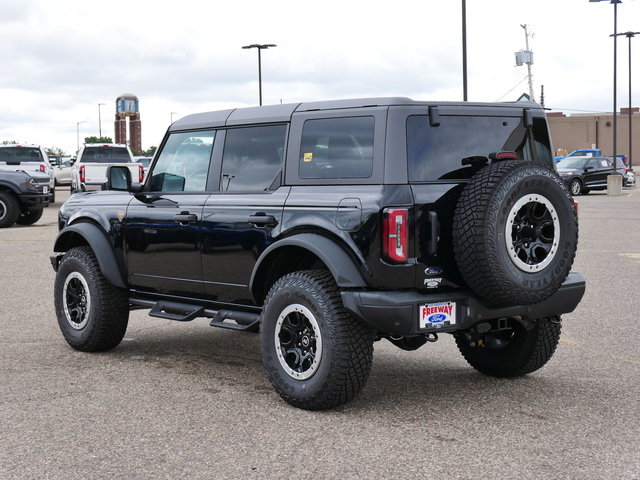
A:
[9,209]
[316,355]
[511,349]
[92,313]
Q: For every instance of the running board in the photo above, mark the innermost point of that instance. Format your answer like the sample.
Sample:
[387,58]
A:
[249,322]
[185,312]
[181,312]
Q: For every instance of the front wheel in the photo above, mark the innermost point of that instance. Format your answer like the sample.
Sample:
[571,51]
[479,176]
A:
[9,209]
[575,186]
[29,218]
[316,355]
[92,313]
[509,348]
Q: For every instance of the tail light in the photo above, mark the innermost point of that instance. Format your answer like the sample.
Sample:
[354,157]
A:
[395,232]
[81,173]
[140,173]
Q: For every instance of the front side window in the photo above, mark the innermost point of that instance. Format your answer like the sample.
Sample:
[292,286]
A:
[183,164]
[252,158]
[337,148]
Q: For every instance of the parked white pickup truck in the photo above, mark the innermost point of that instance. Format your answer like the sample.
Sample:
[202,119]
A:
[89,172]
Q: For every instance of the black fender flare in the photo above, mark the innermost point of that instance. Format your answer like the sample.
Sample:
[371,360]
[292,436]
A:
[337,260]
[99,243]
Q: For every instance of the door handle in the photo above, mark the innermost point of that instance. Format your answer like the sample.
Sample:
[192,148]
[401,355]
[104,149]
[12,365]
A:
[261,219]
[185,218]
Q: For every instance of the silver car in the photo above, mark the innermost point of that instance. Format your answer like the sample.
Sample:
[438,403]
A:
[62,173]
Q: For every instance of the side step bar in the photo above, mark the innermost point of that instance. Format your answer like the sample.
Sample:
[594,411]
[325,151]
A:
[185,312]
[181,312]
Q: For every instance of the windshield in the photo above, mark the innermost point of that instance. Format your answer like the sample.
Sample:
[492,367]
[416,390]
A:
[572,162]
[20,154]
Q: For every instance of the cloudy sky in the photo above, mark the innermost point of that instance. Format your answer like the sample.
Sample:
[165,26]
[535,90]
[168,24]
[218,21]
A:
[60,59]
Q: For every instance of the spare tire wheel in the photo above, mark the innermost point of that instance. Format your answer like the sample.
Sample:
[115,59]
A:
[515,233]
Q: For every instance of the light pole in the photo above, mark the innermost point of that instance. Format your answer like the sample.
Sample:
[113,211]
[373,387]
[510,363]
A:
[78,135]
[615,77]
[464,50]
[172,114]
[630,35]
[260,47]
[100,120]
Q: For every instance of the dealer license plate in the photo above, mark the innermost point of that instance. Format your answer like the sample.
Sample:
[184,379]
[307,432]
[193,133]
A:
[437,315]
[45,190]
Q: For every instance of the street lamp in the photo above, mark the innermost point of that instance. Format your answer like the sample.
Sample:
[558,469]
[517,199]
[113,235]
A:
[78,135]
[172,114]
[260,47]
[464,50]
[630,35]
[615,76]
[100,120]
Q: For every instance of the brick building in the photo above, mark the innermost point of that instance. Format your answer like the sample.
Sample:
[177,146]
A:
[595,130]
[128,111]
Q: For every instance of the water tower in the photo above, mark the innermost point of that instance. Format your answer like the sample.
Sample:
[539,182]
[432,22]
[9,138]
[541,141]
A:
[127,107]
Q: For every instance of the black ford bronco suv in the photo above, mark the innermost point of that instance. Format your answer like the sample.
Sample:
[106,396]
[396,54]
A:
[328,226]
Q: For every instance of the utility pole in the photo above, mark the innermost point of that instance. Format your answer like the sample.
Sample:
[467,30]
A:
[529,63]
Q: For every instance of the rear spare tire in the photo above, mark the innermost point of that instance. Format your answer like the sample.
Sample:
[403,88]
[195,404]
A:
[515,233]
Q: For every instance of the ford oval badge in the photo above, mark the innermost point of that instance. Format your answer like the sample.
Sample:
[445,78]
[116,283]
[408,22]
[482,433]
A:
[437,318]
[433,271]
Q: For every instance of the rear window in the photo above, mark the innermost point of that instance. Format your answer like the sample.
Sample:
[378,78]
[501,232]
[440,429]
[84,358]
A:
[20,154]
[105,155]
[455,148]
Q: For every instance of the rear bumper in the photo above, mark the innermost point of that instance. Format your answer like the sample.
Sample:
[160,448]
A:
[397,313]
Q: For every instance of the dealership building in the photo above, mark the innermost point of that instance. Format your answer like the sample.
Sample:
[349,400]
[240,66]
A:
[595,130]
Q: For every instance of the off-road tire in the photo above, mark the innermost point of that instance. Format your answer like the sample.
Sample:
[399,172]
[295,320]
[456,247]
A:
[515,233]
[29,218]
[516,352]
[9,209]
[316,355]
[92,313]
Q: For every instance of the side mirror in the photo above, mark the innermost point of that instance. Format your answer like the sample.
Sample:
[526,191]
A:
[118,178]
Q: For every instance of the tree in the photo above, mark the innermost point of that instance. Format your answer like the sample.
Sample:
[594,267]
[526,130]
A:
[56,151]
[151,151]
[95,139]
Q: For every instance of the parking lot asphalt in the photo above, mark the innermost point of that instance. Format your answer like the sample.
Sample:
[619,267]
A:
[184,400]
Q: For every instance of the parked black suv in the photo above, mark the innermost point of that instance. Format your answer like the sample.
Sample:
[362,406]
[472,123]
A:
[331,225]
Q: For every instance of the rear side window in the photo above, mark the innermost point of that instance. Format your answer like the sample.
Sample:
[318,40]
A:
[459,145]
[105,155]
[20,154]
[337,148]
